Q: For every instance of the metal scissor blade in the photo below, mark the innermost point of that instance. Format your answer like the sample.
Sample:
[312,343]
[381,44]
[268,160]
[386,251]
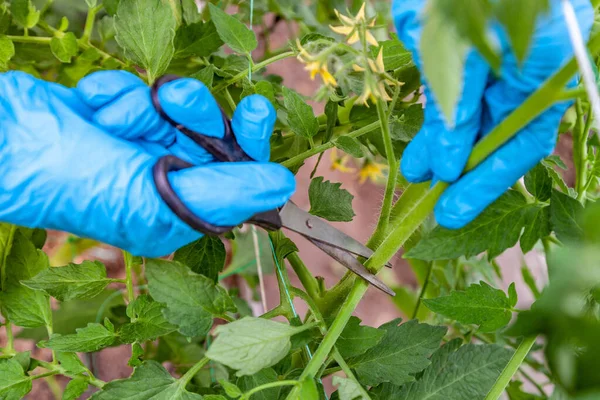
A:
[299,221]
[348,261]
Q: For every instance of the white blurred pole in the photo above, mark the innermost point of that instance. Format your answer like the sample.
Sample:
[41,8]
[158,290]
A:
[584,61]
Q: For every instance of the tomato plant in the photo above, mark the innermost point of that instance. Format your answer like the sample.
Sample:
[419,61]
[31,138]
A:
[190,334]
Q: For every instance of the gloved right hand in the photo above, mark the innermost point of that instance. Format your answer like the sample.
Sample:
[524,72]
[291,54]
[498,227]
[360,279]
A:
[80,160]
[440,152]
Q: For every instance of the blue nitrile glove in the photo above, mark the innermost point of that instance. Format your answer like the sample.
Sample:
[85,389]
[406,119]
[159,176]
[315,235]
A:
[80,160]
[439,153]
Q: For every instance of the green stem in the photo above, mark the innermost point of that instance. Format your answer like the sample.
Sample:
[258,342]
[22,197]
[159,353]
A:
[278,311]
[508,128]
[248,394]
[511,368]
[326,146]
[580,147]
[519,187]
[10,346]
[423,291]
[29,39]
[44,375]
[185,379]
[89,23]
[306,278]
[230,100]
[128,258]
[54,387]
[533,382]
[390,188]
[256,67]
[342,363]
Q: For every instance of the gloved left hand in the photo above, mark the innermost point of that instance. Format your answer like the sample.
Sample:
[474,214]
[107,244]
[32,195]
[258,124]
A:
[80,160]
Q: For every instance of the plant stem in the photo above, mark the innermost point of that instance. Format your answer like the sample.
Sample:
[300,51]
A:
[256,67]
[423,291]
[248,394]
[580,151]
[342,363]
[54,387]
[10,346]
[185,379]
[128,258]
[306,278]
[533,382]
[29,39]
[326,146]
[44,375]
[89,23]
[511,368]
[390,188]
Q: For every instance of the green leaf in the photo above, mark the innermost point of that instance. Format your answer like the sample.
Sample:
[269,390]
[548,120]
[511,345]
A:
[264,376]
[349,389]
[231,389]
[145,30]
[265,89]
[91,338]
[111,6]
[75,388]
[495,230]
[328,200]
[471,23]
[539,183]
[205,256]
[529,280]
[7,51]
[480,304]
[331,112]
[556,177]
[395,56]
[465,374]
[443,55]
[306,390]
[5,20]
[537,227]
[251,344]
[23,306]
[406,124]
[148,381]
[233,32]
[137,352]
[403,351]
[356,339]
[190,11]
[519,20]
[206,75]
[563,215]
[71,363]
[516,392]
[25,13]
[147,321]
[24,358]
[14,384]
[350,146]
[74,281]
[200,39]
[301,117]
[191,299]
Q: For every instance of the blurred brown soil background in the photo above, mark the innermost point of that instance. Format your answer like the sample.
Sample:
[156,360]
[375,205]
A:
[375,309]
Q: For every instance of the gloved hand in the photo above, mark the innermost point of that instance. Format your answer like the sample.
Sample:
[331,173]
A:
[80,160]
[441,153]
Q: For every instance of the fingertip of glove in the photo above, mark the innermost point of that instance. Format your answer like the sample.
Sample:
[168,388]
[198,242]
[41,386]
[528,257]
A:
[448,217]
[103,87]
[253,124]
[190,103]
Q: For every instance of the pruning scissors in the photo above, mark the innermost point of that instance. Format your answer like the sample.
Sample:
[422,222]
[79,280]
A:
[335,243]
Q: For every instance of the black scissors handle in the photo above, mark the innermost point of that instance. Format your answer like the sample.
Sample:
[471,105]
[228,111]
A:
[225,149]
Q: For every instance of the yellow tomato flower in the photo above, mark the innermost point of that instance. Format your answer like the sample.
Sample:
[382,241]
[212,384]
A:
[372,171]
[315,67]
[339,163]
[351,24]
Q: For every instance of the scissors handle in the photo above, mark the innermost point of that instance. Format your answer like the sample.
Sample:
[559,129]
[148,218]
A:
[225,149]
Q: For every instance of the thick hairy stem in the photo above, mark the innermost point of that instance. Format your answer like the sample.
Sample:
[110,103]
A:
[543,98]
